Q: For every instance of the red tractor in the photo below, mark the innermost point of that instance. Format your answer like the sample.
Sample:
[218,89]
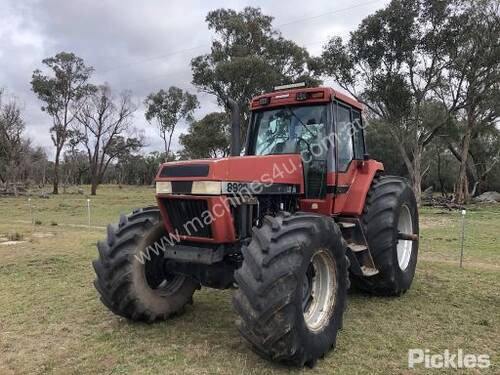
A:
[289,225]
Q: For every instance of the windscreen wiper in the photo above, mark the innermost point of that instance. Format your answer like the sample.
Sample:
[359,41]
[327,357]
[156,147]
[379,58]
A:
[299,119]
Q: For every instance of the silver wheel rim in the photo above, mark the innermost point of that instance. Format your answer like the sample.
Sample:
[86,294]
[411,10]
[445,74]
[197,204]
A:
[320,289]
[404,247]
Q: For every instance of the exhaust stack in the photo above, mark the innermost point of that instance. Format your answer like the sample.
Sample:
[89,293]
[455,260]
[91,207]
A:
[235,126]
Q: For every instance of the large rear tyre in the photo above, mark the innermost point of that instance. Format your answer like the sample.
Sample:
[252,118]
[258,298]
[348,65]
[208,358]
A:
[131,277]
[390,208]
[292,288]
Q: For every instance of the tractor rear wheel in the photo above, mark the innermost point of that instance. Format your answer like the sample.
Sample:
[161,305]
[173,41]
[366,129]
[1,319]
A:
[292,288]
[390,209]
[131,277]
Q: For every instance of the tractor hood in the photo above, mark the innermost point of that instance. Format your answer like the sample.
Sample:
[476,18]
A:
[272,174]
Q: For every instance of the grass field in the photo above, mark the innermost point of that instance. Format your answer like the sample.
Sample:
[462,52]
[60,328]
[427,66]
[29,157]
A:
[51,320]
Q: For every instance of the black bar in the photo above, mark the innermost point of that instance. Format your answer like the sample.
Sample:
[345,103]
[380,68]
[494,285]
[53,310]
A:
[407,236]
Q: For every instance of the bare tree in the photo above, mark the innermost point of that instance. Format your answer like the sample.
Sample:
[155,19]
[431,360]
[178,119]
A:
[11,140]
[62,93]
[104,128]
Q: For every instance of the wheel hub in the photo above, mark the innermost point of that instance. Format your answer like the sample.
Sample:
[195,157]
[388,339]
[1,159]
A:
[319,290]
[158,278]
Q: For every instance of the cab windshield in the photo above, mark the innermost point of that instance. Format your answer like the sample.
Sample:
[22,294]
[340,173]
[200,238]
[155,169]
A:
[289,130]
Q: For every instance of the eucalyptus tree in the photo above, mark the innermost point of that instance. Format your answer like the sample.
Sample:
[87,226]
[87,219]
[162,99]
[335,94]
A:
[470,85]
[167,108]
[248,56]
[62,87]
[392,63]
[207,138]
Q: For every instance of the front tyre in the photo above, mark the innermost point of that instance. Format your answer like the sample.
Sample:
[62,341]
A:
[292,288]
[130,273]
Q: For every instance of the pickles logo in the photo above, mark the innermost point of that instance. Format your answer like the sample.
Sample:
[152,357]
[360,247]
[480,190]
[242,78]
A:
[458,360]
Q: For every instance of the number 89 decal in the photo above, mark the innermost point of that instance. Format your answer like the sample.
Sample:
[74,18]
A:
[235,187]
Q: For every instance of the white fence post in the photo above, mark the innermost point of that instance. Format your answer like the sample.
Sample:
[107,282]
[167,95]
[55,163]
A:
[31,212]
[88,211]
[463,238]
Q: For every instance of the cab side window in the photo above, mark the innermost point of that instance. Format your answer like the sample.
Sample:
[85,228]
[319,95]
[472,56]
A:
[344,137]
[359,144]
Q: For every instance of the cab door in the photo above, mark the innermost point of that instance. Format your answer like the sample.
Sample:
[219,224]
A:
[316,162]
[347,156]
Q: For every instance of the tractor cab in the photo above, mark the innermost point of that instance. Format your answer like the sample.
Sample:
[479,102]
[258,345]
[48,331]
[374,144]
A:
[325,128]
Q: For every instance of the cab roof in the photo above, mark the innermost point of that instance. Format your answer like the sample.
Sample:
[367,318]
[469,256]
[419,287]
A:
[301,95]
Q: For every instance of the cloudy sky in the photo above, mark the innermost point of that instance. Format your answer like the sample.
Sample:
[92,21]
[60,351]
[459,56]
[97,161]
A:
[143,45]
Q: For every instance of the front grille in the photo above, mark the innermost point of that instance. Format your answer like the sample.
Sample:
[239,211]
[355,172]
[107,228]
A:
[185,215]
[236,220]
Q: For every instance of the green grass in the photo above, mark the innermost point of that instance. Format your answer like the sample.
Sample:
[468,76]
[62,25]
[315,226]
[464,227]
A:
[71,208]
[51,320]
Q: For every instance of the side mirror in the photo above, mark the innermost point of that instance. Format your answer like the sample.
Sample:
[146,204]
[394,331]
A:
[366,157]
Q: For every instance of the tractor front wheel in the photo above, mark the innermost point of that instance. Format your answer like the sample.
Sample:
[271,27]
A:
[131,277]
[292,288]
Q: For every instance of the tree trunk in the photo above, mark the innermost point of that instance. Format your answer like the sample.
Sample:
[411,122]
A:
[165,144]
[94,181]
[56,173]
[44,173]
[474,188]
[439,174]
[93,187]
[14,178]
[413,167]
[416,178]
[462,195]
[471,168]
[169,142]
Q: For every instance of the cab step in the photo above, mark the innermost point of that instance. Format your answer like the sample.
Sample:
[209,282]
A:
[368,271]
[358,252]
[346,224]
[357,247]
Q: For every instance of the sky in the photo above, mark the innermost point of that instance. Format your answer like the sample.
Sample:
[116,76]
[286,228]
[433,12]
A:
[143,46]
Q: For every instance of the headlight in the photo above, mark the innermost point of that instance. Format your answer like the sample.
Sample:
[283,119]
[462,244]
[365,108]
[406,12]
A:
[207,187]
[196,187]
[163,187]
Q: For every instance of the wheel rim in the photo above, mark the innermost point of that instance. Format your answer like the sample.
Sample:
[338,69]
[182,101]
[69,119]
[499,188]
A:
[404,247]
[319,290]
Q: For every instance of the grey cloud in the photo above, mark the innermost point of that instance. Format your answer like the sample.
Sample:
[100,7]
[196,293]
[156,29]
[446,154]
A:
[131,43]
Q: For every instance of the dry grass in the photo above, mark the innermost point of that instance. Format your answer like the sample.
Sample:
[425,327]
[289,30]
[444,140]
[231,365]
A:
[51,320]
